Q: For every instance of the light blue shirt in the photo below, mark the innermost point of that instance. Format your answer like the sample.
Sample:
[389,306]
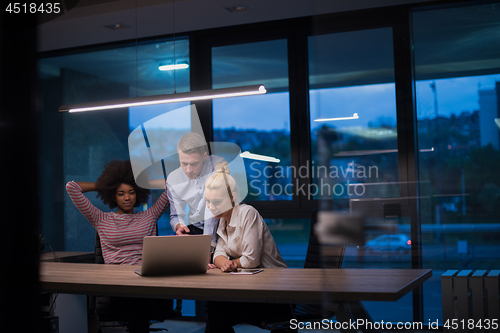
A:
[183,191]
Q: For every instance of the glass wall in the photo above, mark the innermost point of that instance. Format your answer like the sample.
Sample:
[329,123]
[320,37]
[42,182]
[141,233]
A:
[260,124]
[292,238]
[353,160]
[353,112]
[162,136]
[457,71]
[136,66]
[76,146]
[354,147]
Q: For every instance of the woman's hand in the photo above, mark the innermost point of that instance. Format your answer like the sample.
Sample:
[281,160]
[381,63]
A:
[211,266]
[229,266]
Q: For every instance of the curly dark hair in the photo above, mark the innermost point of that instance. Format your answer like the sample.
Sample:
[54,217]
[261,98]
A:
[116,173]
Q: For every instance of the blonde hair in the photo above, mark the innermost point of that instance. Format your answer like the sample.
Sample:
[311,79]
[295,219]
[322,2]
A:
[222,179]
[192,142]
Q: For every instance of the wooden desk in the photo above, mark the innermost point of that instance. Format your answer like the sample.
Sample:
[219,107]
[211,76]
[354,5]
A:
[67,256]
[275,285]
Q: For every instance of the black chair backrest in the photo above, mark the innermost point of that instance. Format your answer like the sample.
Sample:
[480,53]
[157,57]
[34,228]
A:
[99,259]
[322,256]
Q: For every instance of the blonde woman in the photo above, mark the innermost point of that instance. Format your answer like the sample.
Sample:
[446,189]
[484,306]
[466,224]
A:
[244,242]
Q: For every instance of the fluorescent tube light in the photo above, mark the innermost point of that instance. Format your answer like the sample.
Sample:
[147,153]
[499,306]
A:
[249,155]
[365,152]
[497,121]
[172,67]
[167,98]
[373,152]
[354,116]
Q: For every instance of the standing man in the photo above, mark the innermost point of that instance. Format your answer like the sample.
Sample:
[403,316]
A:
[186,187]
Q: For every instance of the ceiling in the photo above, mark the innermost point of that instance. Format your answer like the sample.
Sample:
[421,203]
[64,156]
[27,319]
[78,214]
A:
[468,32]
[84,21]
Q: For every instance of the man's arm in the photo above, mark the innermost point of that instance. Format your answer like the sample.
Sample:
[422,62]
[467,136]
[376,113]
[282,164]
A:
[177,214]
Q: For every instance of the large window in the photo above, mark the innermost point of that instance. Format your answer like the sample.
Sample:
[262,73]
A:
[389,112]
[353,115]
[457,63]
[162,133]
[354,146]
[84,142]
[258,124]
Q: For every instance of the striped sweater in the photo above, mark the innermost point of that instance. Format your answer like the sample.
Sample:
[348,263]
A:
[121,234]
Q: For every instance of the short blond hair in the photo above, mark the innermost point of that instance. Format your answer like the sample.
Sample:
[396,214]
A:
[192,142]
[222,178]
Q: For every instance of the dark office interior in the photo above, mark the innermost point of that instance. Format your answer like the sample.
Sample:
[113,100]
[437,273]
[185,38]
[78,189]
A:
[410,89]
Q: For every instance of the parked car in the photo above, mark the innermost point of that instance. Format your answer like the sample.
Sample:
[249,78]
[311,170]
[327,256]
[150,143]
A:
[390,242]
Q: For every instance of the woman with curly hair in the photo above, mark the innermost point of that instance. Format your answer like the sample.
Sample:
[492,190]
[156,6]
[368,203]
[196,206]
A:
[121,233]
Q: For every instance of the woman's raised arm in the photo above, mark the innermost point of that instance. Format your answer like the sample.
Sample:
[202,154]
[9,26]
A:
[75,191]
[87,186]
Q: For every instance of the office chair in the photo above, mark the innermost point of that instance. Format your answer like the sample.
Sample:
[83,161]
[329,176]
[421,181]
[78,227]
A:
[107,311]
[322,256]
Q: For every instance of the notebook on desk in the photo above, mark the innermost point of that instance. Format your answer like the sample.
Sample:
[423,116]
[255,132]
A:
[175,255]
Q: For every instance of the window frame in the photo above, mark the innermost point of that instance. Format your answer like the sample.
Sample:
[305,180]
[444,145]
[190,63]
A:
[296,31]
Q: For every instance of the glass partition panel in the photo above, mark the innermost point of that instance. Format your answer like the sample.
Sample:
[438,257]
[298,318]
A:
[135,66]
[355,152]
[166,134]
[457,69]
[260,125]
[353,113]
[292,238]
[76,146]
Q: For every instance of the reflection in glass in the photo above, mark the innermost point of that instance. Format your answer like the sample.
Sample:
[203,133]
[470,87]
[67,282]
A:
[258,124]
[135,66]
[292,238]
[353,116]
[354,148]
[165,134]
[457,101]
[89,140]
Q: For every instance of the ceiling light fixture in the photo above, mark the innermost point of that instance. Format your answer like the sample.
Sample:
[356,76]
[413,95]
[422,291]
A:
[354,116]
[173,67]
[374,152]
[167,98]
[249,155]
[237,9]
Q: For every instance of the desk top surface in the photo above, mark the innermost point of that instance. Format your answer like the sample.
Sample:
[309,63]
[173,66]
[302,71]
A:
[66,256]
[272,285]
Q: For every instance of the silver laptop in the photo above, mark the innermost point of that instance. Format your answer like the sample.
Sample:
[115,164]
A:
[175,255]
